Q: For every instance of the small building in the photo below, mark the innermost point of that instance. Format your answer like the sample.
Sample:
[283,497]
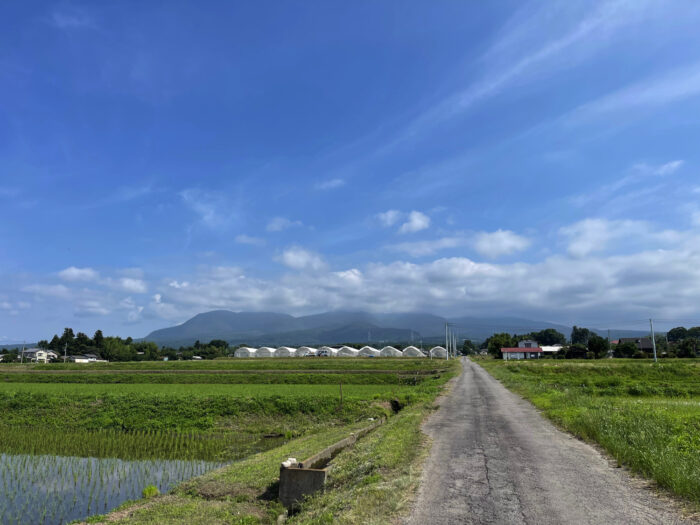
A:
[390,351]
[551,350]
[438,352]
[39,355]
[327,351]
[521,353]
[347,351]
[306,351]
[265,351]
[528,343]
[245,351]
[643,343]
[368,351]
[82,359]
[412,351]
[284,351]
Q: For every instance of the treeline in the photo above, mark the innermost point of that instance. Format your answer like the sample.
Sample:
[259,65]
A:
[118,349]
[586,344]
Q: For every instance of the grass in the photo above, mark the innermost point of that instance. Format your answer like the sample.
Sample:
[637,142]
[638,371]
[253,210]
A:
[218,422]
[646,415]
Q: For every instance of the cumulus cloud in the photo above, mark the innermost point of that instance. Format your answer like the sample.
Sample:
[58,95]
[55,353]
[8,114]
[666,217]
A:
[300,259]
[594,235]
[78,274]
[278,224]
[389,218]
[416,222]
[422,248]
[131,284]
[501,242]
[178,285]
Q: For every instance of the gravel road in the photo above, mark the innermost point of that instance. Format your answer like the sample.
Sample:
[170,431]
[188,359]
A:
[495,459]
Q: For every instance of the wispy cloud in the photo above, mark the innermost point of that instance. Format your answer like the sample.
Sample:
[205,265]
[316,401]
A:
[422,248]
[652,92]
[73,18]
[211,208]
[330,184]
[389,218]
[278,224]
[248,239]
[78,274]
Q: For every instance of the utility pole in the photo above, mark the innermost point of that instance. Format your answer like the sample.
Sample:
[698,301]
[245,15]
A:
[446,343]
[653,339]
[609,356]
[21,360]
[65,352]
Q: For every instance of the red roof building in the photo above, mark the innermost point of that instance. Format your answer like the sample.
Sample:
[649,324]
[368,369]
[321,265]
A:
[521,353]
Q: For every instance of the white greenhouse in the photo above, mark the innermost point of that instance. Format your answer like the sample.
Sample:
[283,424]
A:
[346,351]
[390,351]
[265,351]
[412,351]
[245,352]
[438,351]
[285,351]
[327,351]
[368,351]
[304,351]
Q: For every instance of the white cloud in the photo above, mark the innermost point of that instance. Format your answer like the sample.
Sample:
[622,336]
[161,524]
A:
[247,239]
[212,209]
[300,259]
[49,290]
[416,222]
[71,19]
[653,92]
[330,184]
[500,242]
[131,284]
[176,284]
[90,307]
[594,235]
[278,224]
[668,168]
[78,274]
[422,248]
[389,218]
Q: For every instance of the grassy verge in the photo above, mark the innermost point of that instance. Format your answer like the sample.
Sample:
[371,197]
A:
[647,416]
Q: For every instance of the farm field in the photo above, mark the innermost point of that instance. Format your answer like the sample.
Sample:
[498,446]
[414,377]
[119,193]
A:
[646,415]
[101,442]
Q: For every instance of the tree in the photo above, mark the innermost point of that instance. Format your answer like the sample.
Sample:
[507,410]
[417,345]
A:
[43,344]
[82,343]
[598,346]
[577,351]
[68,338]
[688,347]
[549,337]
[694,332]
[219,343]
[468,347]
[677,334]
[55,344]
[98,339]
[627,349]
[498,341]
[580,335]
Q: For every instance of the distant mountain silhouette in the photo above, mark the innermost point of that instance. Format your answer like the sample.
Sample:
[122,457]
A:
[258,328]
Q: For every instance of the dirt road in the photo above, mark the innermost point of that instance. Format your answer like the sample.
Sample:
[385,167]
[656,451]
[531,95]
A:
[495,459]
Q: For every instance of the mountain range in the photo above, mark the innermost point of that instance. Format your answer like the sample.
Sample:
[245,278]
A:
[269,328]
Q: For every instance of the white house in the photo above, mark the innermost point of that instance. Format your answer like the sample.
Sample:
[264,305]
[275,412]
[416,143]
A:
[521,353]
[528,343]
[550,350]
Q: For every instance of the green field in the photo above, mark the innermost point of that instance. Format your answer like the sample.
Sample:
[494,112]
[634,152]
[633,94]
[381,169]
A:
[188,416]
[646,415]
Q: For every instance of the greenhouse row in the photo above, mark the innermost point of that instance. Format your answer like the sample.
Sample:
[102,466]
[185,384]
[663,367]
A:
[343,351]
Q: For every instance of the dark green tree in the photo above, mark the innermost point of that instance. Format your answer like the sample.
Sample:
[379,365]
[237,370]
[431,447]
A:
[219,343]
[68,338]
[576,351]
[55,344]
[43,344]
[549,337]
[580,335]
[625,350]
[498,341]
[677,334]
[687,347]
[694,332]
[98,339]
[598,346]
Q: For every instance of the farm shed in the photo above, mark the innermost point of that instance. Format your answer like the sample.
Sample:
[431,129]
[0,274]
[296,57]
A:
[390,351]
[368,351]
[265,351]
[346,351]
[245,352]
[304,351]
[521,353]
[327,351]
[412,351]
[438,351]
[285,351]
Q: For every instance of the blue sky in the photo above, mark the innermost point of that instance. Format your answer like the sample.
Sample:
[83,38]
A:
[503,158]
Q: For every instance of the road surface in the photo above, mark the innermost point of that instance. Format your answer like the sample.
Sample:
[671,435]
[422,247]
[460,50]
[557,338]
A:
[495,459]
